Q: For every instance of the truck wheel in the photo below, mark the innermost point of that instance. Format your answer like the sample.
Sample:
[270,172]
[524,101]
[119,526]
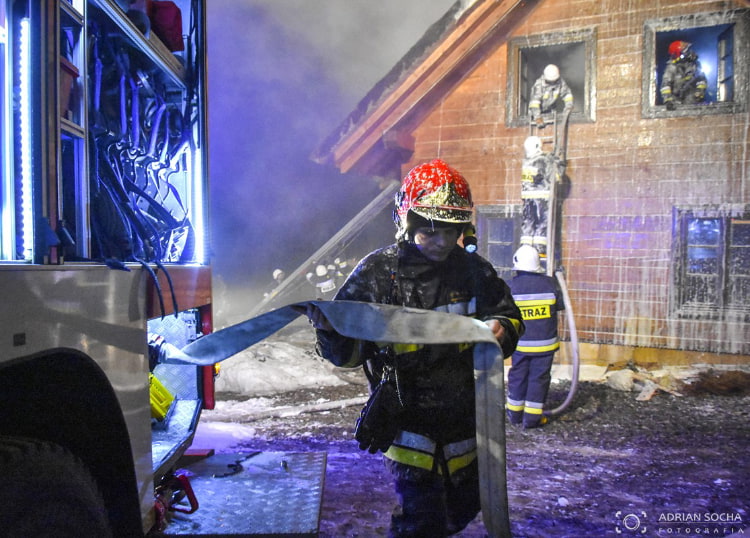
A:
[46,491]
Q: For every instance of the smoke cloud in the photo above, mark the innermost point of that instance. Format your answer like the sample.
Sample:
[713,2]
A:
[282,74]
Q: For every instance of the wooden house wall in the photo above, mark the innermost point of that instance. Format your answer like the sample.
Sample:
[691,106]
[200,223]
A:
[627,174]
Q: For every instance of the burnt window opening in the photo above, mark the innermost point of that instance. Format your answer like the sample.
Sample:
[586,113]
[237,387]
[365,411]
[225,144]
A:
[498,231]
[571,52]
[720,41]
[712,263]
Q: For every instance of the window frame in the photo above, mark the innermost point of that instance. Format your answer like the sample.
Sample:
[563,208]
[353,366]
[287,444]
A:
[650,105]
[511,212]
[681,307]
[586,114]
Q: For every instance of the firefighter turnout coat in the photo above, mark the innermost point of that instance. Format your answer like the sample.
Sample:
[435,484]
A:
[539,298]
[435,383]
[683,82]
[547,96]
[538,176]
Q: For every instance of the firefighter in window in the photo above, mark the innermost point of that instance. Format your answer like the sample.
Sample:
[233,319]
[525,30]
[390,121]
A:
[683,81]
[549,94]
[539,172]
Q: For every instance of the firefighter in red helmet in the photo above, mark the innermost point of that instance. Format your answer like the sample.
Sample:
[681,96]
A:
[428,437]
[683,81]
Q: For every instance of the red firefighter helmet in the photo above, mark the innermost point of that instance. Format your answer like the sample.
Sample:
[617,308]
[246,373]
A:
[677,49]
[434,191]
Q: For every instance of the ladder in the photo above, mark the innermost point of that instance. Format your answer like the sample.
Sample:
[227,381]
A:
[558,137]
[559,140]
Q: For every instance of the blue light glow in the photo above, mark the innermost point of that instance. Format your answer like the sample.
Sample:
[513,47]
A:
[24,128]
[197,173]
[7,211]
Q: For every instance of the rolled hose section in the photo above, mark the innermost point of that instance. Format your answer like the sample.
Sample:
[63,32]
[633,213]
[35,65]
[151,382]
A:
[574,347]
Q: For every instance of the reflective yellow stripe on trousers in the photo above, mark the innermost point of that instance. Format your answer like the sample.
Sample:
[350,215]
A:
[418,451]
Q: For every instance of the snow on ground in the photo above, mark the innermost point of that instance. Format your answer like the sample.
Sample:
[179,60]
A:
[249,383]
[221,436]
[271,367]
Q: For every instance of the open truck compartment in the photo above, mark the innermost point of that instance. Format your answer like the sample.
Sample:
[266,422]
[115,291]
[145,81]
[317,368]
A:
[103,246]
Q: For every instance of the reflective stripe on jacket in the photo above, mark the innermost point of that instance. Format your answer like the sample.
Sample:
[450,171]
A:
[539,299]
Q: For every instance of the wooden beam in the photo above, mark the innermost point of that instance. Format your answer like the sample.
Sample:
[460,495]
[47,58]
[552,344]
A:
[400,140]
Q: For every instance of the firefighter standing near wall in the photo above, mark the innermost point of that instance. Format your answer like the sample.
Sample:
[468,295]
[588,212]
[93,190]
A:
[539,172]
[539,297]
[683,81]
[429,437]
[549,93]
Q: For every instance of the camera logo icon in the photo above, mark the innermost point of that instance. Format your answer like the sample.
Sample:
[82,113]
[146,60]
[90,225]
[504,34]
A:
[630,523]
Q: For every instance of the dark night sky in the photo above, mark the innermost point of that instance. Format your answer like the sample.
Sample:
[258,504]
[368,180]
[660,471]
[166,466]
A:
[283,74]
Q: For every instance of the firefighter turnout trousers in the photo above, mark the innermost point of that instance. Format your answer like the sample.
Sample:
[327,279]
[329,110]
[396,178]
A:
[528,383]
[438,486]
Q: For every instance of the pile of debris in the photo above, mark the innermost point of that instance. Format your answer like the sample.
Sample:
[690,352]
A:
[694,383]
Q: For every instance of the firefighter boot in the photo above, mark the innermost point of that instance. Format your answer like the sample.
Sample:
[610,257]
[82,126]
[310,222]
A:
[533,421]
[514,417]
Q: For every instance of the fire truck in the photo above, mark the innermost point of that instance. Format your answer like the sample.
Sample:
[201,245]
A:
[103,199]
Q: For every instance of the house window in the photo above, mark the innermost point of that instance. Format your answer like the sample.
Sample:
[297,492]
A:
[720,42]
[497,236]
[712,256]
[571,52]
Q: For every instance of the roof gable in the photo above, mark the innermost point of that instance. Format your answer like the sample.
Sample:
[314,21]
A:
[375,137]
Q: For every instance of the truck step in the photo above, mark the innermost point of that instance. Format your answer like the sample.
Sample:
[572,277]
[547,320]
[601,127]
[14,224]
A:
[254,494]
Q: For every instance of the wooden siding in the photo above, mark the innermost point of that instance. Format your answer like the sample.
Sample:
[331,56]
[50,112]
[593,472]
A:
[627,174]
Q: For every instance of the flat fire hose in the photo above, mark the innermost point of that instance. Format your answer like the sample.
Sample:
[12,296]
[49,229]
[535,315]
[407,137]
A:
[385,323]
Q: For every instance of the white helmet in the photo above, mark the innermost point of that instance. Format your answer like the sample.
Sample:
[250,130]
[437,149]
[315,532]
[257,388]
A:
[526,259]
[551,73]
[532,146]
